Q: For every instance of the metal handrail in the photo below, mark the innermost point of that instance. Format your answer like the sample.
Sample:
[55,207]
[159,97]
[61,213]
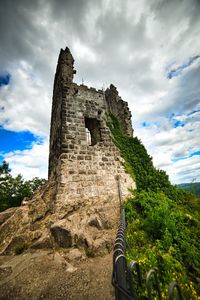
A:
[122,276]
[152,273]
[171,291]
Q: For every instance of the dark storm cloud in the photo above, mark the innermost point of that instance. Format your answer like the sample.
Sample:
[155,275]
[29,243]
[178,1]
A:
[73,11]
[17,30]
[26,30]
[128,43]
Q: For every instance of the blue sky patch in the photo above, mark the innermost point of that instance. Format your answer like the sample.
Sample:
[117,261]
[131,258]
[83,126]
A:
[195,153]
[193,112]
[145,124]
[11,140]
[178,158]
[175,72]
[170,116]
[179,124]
[4,79]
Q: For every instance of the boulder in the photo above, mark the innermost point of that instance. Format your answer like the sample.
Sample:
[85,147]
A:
[62,234]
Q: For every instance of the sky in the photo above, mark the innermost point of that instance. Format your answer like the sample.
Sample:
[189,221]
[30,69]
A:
[149,49]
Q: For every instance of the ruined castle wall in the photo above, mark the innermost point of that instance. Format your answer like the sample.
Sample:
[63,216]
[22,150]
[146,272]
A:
[119,108]
[83,157]
[56,130]
[64,74]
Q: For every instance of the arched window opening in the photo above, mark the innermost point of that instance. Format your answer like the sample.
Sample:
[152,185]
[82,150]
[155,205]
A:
[93,134]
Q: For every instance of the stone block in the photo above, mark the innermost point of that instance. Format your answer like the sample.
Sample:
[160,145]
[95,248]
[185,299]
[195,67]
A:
[88,157]
[61,234]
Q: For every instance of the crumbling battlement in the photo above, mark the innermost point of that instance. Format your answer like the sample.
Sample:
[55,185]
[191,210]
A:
[119,108]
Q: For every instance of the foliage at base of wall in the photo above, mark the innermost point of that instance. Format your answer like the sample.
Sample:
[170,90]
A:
[163,221]
[14,189]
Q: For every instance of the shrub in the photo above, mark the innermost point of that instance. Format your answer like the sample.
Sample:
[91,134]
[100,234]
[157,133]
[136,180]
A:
[163,221]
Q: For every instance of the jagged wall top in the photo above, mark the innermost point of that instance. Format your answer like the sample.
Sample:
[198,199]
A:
[115,105]
[72,105]
[65,67]
[119,108]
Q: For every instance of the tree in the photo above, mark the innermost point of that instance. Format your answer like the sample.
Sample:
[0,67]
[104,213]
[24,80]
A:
[14,189]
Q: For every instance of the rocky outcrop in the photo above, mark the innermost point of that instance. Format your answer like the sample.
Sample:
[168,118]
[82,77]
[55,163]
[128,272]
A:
[28,223]
[37,225]
[7,214]
[61,257]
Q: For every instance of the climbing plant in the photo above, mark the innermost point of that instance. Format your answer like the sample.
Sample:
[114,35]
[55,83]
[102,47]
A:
[163,221]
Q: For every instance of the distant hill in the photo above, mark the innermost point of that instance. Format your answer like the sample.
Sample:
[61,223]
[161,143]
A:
[193,187]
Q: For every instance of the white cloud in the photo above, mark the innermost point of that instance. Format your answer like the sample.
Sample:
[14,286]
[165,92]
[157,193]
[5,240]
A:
[185,170]
[30,163]
[26,101]
[129,43]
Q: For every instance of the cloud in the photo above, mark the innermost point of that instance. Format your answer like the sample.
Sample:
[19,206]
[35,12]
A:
[133,44]
[185,170]
[173,148]
[25,102]
[30,163]
[177,71]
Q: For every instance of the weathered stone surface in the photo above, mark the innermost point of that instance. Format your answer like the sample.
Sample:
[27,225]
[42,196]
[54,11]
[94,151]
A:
[17,241]
[6,214]
[5,272]
[95,221]
[25,224]
[100,246]
[44,242]
[79,130]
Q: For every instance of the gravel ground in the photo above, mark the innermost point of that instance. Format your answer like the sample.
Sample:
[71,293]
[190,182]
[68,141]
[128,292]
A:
[48,275]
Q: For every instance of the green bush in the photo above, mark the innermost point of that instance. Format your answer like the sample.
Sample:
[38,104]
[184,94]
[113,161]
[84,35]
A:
[14,189]
[163,220]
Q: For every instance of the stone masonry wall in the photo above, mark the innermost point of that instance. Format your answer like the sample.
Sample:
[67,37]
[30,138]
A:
[85,171]
[119,108]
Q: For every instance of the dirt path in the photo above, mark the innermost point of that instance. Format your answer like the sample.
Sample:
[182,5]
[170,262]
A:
[48,275]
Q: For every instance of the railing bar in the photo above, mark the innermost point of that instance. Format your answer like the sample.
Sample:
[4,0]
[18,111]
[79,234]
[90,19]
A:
[149,275]
[127,291]
[171,291]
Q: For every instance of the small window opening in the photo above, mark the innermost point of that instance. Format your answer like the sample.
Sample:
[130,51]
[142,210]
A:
[88,136]
[93,133]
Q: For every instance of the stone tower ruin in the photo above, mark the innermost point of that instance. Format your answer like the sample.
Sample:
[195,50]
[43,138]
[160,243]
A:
[69,225]
[83,158]
[79,205]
